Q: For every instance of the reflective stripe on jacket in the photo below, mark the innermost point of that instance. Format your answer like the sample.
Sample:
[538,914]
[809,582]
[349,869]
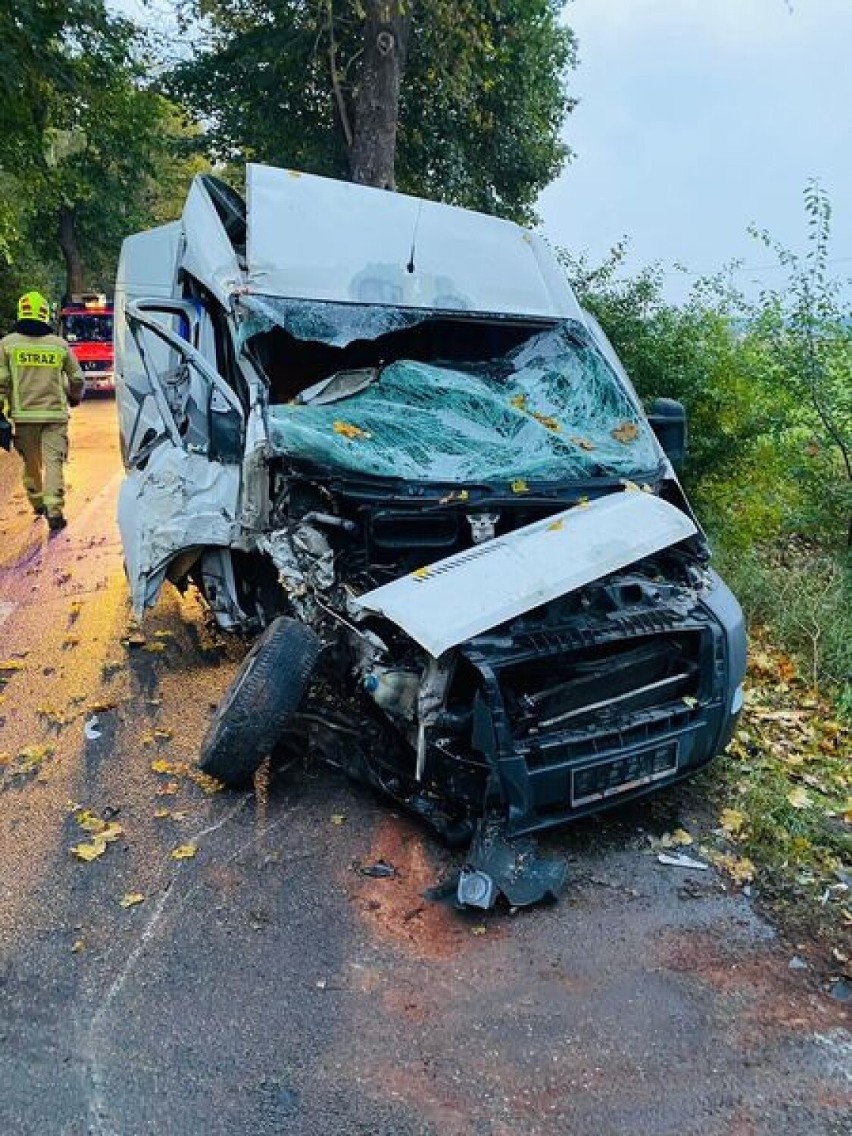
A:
[37,374]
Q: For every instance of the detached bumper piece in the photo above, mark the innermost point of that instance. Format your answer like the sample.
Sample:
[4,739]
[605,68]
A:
[567,721]
[496,867]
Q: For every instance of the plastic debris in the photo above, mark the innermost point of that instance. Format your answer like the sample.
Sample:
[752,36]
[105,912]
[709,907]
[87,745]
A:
[380,870]
[681,860]
[90,729]
[499,866]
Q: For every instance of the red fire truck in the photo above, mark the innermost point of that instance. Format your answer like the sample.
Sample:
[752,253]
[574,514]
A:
[86,322]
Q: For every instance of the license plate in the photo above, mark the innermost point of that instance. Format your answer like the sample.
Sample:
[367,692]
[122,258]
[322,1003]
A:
[621,774]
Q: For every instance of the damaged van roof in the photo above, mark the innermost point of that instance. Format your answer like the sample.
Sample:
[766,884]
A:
[315,238]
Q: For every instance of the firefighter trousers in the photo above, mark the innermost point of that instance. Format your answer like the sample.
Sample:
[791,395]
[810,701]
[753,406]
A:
[43,447]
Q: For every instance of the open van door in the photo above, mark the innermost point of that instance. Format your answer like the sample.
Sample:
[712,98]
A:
[184,461]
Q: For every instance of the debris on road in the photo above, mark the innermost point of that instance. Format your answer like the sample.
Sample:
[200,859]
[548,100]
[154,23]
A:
[379,870]
[498,866]
[681,860]
[90,728]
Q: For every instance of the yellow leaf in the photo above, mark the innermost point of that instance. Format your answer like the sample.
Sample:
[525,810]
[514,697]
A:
[9,665]
[627,432]
[204,781]
[519,486]
[164,634]
[547,421]
[519,402]
[681,836]
[89,822]
[161,814]
[163,766]
[91,851]
[154,648]
[111,832]
[732,820]
[740,869]
[131,899]
[556,526]
[630,486]
[348,430]
[800,798]
[184,852]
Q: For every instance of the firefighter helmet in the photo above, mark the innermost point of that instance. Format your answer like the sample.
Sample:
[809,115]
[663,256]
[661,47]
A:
[33,306]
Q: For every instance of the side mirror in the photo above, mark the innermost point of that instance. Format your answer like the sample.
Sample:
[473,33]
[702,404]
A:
[668,421]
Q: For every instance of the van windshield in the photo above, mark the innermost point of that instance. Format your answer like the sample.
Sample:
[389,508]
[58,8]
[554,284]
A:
[550,409]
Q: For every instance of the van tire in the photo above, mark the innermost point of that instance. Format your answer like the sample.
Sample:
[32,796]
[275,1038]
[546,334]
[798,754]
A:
[253,714]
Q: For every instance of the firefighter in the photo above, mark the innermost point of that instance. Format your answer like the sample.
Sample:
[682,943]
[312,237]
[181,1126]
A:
[39,379]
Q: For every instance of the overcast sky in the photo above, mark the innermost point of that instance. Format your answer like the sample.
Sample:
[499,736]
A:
[699,117]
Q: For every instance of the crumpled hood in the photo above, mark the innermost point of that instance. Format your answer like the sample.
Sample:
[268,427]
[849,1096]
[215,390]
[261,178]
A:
[452,600]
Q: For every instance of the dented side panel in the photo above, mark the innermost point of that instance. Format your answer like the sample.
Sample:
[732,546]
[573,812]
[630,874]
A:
[179,501]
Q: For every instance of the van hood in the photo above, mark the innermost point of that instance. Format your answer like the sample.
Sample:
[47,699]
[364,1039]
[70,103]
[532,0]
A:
[452,600]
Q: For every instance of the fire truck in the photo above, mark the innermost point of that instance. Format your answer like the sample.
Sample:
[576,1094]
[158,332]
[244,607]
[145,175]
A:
[86,323]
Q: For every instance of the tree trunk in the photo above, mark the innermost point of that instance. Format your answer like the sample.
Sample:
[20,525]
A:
[373,150]
[70,251]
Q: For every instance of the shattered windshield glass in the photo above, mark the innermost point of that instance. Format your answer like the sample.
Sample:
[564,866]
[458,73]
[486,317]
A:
[549,410]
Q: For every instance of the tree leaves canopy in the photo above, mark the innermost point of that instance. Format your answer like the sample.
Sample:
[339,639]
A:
[483,97]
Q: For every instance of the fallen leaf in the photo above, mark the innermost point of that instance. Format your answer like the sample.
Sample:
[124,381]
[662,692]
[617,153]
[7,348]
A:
[547,421]
[584,444]
[739,868]
[168,789]
[77,946]
[479,929]
[732,820]
[519,486]
[7,666]
[161,814]
[184,852]
[154,648]
[627,432]
[348,430]
[131,899]
[338,818]
[164,634]
[90,851]
[519,401]
[163,766]
[681,836]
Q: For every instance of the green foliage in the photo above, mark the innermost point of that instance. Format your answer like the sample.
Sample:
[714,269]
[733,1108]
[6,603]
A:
[805,597]
[482,102]
[767,386]
[83,137]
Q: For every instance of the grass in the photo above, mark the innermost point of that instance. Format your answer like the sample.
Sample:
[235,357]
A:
[784,800]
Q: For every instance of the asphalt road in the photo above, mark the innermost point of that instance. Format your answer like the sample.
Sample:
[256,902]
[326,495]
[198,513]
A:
[262,985]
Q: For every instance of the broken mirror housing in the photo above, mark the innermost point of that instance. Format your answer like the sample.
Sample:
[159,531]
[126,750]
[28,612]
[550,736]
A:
[381,434]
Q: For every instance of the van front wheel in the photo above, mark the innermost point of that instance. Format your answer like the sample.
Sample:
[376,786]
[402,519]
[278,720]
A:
[253,715]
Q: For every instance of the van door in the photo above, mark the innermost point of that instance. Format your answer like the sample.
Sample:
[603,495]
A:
[183,452]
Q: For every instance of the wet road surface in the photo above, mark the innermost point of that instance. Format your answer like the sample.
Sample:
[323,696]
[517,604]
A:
[262,985]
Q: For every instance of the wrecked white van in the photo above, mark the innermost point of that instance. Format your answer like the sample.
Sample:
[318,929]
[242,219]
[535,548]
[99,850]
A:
[382,433]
